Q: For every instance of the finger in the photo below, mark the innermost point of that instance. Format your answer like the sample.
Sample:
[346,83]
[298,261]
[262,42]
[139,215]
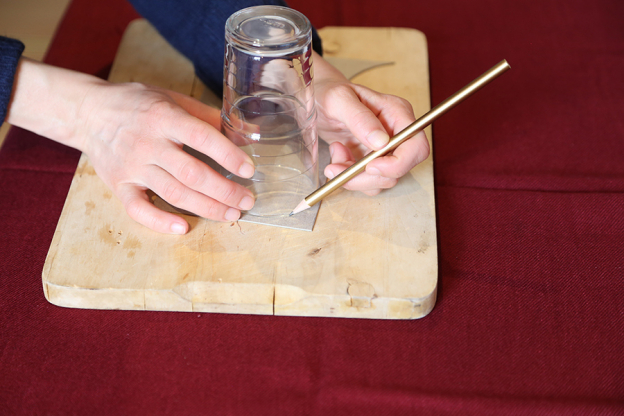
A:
[342,158]
[345,106]
[198,176]
[403,158]
[197,109]
[394,112]
[180,196]
[363,182]
[213,117]
[372,193]
[339,153]
[140,209]
[204,138]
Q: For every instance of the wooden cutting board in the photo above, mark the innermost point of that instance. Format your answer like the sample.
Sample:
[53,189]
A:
[368,257]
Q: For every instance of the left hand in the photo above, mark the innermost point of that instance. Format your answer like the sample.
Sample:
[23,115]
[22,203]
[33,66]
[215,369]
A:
[356,120]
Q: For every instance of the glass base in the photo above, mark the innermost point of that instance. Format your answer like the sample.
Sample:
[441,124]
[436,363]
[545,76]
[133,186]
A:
[277,189]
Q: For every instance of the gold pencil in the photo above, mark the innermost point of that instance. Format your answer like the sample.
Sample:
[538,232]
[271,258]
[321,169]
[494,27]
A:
[411,130]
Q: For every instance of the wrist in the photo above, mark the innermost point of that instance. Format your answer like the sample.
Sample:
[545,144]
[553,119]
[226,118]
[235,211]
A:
[325,72]
[48,101]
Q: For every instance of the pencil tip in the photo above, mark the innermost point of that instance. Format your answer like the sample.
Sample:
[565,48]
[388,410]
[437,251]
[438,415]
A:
[301,207]
[291,214]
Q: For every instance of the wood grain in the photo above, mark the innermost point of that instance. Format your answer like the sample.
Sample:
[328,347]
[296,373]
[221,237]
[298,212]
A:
[366,258]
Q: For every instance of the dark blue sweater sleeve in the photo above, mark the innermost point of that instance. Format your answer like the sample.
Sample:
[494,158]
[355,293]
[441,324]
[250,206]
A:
[10,52]
[196,28]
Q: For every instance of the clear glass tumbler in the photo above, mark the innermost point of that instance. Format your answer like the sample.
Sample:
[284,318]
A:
[268,104]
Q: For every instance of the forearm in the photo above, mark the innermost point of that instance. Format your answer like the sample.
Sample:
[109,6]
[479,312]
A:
[48,101]
[324,71]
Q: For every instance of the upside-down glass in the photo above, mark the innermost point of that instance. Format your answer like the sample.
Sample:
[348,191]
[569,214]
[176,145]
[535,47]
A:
[268,104]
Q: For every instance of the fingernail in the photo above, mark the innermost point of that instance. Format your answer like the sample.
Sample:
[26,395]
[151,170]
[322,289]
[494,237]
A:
[378,139]
[246,170]
[178,228]
[246,203]
[331,152]
[232,214]
[373,171]
[329,174]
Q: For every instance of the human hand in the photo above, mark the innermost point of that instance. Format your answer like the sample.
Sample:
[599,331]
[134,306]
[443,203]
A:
[133,135]
[356,120]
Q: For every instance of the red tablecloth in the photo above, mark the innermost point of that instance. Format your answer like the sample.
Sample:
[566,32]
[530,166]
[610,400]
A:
[530,206]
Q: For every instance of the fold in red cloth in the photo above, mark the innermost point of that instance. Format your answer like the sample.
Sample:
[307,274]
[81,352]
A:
[530,208]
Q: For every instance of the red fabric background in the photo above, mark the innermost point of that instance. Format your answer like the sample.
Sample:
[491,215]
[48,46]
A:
[530,205]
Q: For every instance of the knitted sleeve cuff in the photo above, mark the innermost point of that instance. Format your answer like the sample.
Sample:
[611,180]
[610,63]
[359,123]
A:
[10,52]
